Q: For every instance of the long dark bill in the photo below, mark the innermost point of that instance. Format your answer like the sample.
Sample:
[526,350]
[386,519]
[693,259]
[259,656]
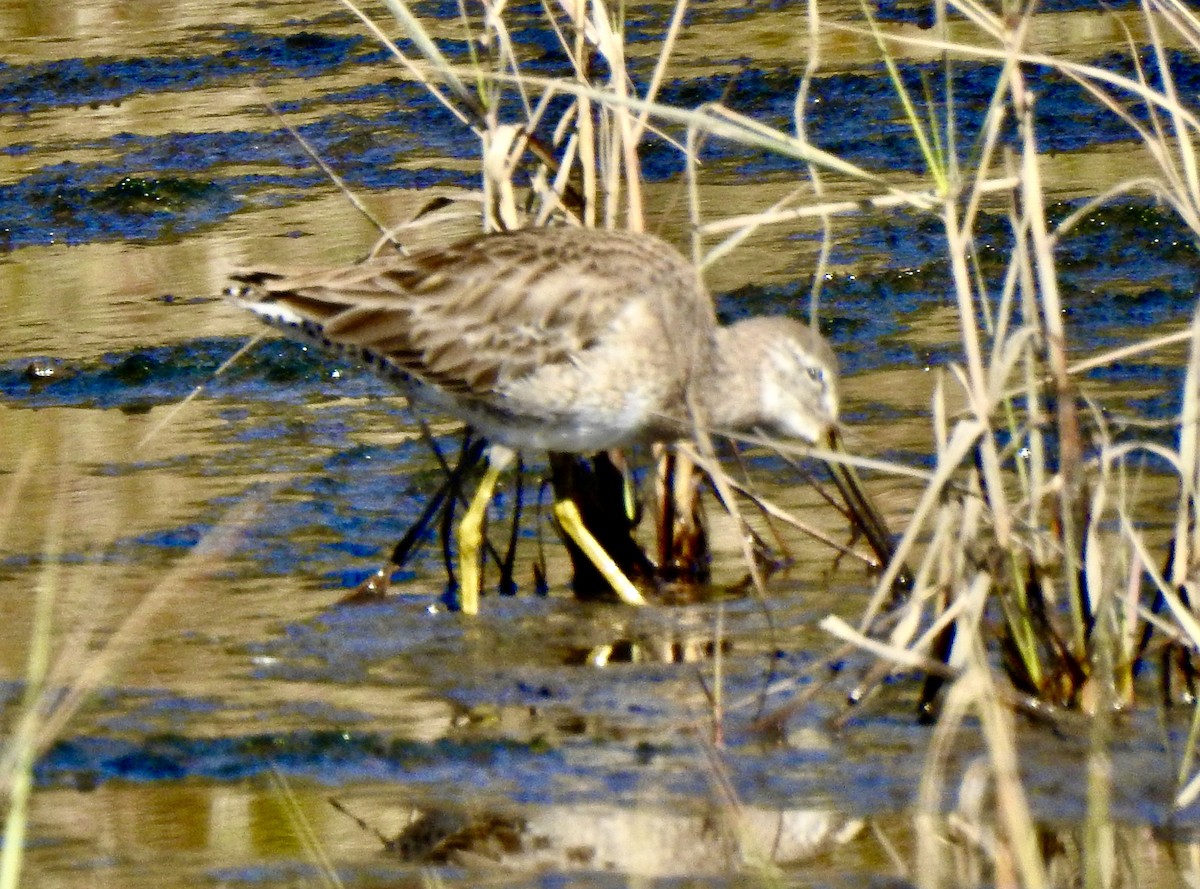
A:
[865,515]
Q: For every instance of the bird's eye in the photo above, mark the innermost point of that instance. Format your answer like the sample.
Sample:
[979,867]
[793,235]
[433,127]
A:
[814,374]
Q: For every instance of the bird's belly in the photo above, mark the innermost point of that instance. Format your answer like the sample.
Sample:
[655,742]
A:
[604,400]
[581,431]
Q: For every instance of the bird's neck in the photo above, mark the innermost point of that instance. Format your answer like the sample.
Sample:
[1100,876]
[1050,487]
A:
[725,390]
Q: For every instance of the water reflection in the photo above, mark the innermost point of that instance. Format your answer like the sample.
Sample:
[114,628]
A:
[581,715]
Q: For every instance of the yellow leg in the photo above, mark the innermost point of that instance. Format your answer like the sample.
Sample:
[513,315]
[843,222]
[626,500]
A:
[470,530]
[572,522]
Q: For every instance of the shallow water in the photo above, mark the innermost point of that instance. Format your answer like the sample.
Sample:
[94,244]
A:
[138,166]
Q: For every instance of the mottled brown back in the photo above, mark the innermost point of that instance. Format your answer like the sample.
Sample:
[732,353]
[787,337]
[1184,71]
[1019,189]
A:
[477,316]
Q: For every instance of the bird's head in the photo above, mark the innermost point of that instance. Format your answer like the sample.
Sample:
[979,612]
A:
[773,375]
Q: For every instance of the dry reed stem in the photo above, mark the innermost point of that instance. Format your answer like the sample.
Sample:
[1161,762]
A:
[414,69]
[1174,106]
[1012,807]
[20,751]
[1187,518]
[445,72]
[674,27]
[56,706]
[1015,857]
[962,441]
[712,468]
[1065,66]
[930,855]
[907,658]
[17,481]
[302,828]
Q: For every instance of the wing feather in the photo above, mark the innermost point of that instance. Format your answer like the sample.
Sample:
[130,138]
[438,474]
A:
[479,315]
